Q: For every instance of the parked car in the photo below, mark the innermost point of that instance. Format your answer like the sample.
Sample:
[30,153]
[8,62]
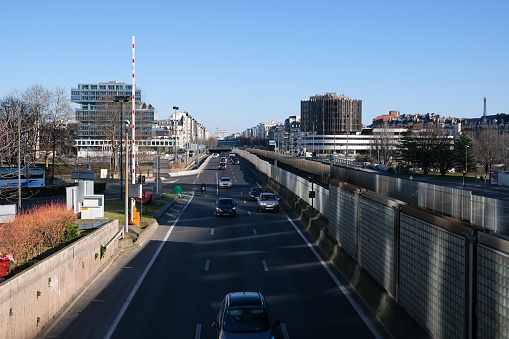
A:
[254,193]
[226,206]
[268,202]
[244,315]
[225,182]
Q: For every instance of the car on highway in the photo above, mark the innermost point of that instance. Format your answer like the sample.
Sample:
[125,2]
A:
[235,161]
[244,315]
[223,160]
[225,182]
[222,166]
[268,202]
[254,193]
[226,206]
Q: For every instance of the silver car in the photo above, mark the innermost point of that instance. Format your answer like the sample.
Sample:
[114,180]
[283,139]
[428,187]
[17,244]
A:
[268,202]
[225,182]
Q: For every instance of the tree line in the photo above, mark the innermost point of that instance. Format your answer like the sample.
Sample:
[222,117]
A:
[433,149]
[35,123]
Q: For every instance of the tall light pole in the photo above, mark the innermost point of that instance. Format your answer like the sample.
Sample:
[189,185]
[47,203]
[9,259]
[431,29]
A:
[175,135]
[187,139]
[121,99]
[466,164]
[347,133]
[126,198]
[19,154]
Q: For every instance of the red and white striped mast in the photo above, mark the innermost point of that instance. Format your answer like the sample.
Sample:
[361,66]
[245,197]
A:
[133,134]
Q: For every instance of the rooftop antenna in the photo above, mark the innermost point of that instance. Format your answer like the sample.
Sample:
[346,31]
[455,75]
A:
[484,112]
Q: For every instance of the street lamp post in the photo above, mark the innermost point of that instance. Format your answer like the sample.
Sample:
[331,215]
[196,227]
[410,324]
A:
[19,155]
[466,164]
[187,139]
[126,198]
[121,99]
[175,134]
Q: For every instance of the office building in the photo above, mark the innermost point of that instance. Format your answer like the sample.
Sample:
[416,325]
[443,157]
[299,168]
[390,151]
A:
[99,117]
[331,114]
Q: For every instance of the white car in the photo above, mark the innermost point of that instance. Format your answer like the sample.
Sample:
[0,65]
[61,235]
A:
[225,182]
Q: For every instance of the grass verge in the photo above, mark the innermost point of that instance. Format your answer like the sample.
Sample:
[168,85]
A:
[114,209]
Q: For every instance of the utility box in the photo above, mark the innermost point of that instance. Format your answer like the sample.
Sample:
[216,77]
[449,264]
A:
[104,173]
[71,194]
[135,191]
[8,213]
[86,187]
[93,207]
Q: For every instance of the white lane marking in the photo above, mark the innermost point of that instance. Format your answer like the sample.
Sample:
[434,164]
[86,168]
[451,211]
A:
[285,332]
[207,264]
[212,232]
[170,215]
[249,212]
[343,289]
[254,232]
[142,277]
[265,266]
[174,210]
[198,331]
[240,193]
[245,202]
[257,184]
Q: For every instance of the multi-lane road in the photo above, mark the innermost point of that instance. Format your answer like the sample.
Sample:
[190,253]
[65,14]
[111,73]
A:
[172,287]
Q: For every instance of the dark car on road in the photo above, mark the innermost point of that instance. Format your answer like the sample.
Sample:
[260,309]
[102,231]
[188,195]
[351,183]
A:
[244,315]
[235,161]
[226,206]
[254,193]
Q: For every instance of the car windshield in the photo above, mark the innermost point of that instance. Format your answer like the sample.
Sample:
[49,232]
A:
[246,320]
[226,202]
[225,179]
[268,197]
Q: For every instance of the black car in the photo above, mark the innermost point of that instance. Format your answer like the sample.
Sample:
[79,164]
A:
[254,193]
[225,206]
[222,166]
[235,161]
[245,315]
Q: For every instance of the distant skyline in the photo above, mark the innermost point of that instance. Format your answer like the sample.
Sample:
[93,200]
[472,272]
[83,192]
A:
[233,64]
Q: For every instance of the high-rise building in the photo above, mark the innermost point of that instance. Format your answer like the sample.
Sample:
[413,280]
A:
[99,115]
[331,114]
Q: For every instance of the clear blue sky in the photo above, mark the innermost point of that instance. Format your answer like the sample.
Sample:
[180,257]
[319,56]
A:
[233,64]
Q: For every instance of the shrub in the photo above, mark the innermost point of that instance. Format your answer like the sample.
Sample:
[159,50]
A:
[37,230]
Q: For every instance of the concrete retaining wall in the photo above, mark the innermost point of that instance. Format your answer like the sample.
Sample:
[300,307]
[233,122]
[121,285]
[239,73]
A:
[32,298]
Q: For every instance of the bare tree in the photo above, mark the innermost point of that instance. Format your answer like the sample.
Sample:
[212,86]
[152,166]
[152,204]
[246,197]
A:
[38,99]
[16,128]
[485,149]
[55,122]
[383,145]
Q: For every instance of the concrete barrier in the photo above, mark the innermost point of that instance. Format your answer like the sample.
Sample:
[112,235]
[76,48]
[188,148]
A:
[33,298]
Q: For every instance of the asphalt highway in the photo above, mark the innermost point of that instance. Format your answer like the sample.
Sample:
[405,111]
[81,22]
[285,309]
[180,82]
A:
[173,286]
